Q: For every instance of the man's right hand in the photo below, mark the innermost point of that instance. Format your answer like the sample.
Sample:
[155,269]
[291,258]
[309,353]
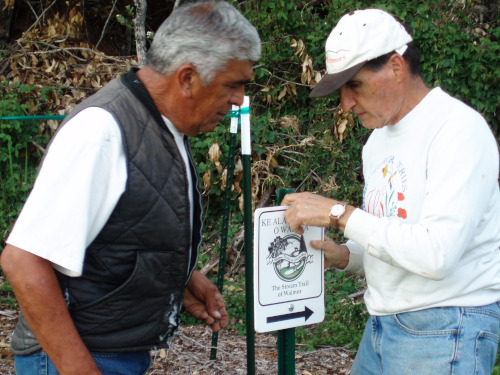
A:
[203,300]
[335,255]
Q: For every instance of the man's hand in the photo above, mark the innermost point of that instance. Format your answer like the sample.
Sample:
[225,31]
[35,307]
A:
[307,209]
[335,255]
[314,210]
[203,300]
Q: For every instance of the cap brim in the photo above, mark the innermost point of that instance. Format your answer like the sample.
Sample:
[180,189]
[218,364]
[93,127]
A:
[332,82]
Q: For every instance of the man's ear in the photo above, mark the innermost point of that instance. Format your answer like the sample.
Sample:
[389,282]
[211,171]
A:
[187,78]
[397,64]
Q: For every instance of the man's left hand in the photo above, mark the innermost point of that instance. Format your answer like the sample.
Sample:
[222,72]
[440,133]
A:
[203,300]
[314,210]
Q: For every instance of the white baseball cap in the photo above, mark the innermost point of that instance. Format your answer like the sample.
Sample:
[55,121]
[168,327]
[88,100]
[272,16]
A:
[358,37]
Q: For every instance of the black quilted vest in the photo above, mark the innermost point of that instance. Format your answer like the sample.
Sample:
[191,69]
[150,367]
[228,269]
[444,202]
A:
[131,291]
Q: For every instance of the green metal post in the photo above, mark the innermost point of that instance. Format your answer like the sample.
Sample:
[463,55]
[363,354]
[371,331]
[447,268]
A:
[247,207]
[286,351]
[235,124]
[286,337]
[247,222]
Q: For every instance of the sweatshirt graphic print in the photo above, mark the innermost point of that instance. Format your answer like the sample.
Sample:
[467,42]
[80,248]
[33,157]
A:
[384,194]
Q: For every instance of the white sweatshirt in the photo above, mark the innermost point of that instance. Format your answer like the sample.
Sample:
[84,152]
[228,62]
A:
[429,231]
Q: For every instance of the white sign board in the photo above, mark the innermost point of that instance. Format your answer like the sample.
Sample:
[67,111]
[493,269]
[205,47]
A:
[288,273]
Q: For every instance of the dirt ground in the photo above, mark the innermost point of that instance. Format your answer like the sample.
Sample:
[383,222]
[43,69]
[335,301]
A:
[189,354]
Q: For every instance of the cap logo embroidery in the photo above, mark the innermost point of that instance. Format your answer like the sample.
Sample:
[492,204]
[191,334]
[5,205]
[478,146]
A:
[332,60]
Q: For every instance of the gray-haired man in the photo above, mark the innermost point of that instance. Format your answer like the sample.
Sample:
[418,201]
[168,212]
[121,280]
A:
[102,257]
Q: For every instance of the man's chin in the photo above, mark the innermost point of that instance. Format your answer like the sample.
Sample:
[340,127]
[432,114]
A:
[207,128]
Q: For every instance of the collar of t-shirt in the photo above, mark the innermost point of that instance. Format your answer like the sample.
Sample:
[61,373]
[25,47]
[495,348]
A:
[180,140]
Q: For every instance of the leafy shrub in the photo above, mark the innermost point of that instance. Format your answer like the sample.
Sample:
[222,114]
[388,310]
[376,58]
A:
[7,296]
[21,147]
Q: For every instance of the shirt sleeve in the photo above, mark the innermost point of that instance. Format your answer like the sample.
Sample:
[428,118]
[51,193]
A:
[453,208]
[79,183]
[356,254]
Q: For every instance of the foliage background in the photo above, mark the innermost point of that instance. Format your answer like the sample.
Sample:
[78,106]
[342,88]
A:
[55,61]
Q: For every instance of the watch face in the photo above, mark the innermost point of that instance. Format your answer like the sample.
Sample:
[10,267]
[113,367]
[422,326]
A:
[337,210]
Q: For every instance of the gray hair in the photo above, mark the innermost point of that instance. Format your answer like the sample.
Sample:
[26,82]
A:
[206,34]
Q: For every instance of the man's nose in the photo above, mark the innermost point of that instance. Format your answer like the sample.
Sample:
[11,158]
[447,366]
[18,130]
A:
[347,100]
[237,96]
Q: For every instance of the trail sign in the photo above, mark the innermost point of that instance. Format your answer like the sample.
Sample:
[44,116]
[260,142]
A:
[288,273]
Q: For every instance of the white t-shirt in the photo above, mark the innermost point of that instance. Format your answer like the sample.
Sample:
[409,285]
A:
[77,188]
[429,231]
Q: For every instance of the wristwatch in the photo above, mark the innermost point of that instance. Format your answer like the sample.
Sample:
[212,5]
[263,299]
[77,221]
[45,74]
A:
[337,210]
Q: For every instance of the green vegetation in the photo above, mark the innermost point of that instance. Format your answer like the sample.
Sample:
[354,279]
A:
[21,145]
[305,144]
[7,297]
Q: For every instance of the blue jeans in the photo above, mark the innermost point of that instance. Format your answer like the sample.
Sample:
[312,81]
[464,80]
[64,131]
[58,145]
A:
[133,363]
[445,340]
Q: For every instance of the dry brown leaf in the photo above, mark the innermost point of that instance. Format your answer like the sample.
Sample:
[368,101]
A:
[282,93]
[34,60]
[223,180]
[300,48]
[53,125]
[236,187]
[342,126]
[241,203]
[274,162]
[238,167]
[214,153]
[206,181]
[51,67]
[317,77]
[51,31]
[303,78]
[95,84]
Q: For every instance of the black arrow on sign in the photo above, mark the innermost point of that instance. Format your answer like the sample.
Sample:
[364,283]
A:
[279,318]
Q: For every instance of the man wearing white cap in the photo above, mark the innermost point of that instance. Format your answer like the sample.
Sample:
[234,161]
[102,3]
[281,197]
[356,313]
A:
[428,236]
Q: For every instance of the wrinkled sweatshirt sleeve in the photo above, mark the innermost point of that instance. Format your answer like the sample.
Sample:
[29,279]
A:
[453,208]
[356,253]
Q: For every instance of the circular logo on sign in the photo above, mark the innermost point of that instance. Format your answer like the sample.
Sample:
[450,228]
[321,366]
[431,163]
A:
[289,256]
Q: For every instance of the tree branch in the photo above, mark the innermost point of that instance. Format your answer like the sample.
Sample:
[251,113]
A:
[38,19]
[106,24]
[140,30]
